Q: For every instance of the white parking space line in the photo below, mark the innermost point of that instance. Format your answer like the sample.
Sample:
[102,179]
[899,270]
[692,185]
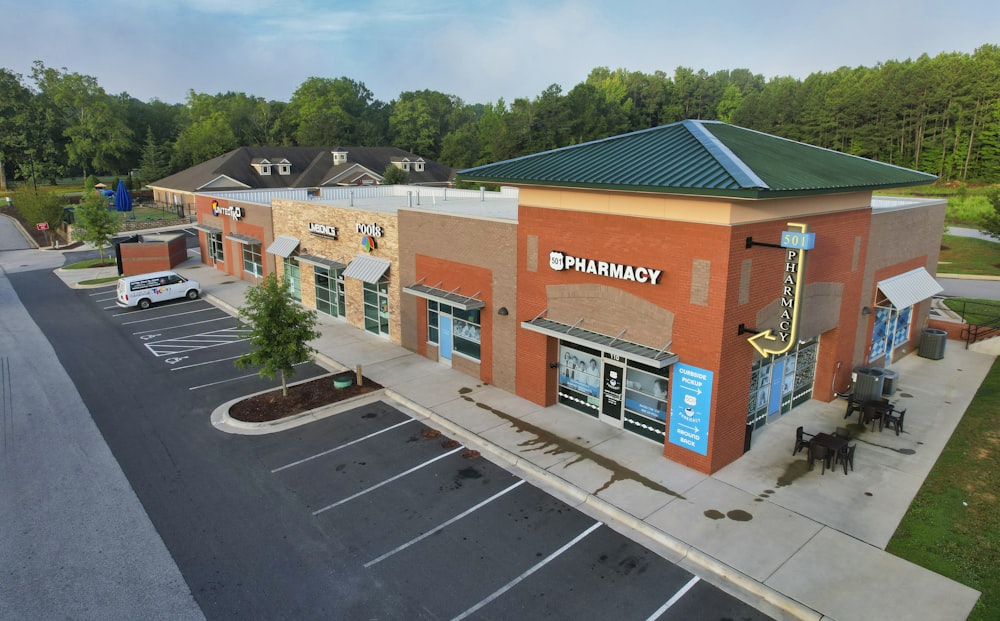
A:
[201,364]
[342,446]
[232,379]
[510,585]
[102,292]
[387,481]
[128,323]
[442,526]
[183,325]
[673,600]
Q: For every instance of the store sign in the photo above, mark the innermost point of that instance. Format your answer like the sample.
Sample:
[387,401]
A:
[372,230]
[560,261]
[323,230]
[795,244]
[236,213]
[690,407]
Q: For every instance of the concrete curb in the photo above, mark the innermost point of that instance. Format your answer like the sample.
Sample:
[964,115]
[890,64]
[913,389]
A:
[20,229]
[682,553]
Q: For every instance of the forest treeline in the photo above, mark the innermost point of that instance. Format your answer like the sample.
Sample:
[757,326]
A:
[938,114]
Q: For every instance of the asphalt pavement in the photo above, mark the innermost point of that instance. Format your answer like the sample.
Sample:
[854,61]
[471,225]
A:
[796,543]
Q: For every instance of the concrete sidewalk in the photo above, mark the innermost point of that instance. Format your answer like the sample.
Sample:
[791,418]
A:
[793,542]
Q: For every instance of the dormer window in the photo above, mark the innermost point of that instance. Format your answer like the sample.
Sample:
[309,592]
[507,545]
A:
[261,165]
[418,166]
[339,157]
[284,167]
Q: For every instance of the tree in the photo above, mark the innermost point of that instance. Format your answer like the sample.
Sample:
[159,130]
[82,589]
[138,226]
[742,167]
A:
[36,207]
[394,175]
[990,223]
[95,223]
[153,165]
[279,331]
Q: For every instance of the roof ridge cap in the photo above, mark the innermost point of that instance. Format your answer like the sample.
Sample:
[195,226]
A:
[741,172]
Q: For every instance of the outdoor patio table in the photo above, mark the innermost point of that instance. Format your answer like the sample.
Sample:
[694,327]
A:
[831,442]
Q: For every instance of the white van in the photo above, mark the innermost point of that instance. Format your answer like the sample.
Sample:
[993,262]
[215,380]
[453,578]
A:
[143,290]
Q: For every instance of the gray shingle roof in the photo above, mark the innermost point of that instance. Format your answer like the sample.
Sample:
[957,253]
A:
[310,167]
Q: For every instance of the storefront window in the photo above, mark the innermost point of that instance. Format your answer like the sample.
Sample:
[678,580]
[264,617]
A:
[252,261]
[580,378]
[215,247]
[329,291]
[465,328]
[781,383]
[891,330]
[376,298]
[292,277]
[646,394]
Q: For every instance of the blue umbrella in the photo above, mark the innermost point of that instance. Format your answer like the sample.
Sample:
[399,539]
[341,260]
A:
[123,200]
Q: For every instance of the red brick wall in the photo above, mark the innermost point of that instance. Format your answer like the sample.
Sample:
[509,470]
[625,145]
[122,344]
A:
[144,257]
[256,222]
[703,312]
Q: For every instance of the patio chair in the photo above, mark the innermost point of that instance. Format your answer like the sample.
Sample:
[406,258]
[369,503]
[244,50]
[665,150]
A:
[852,406]
[845,456]
[820,452]
[894,420]
[801,440]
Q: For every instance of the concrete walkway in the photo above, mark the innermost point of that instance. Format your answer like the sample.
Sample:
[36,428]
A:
[795,543]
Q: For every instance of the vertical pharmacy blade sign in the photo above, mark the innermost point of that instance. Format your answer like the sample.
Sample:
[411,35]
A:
[794,243]
[690,407]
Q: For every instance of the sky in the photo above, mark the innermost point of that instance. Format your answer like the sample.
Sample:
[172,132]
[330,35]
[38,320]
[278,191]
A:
[478,50]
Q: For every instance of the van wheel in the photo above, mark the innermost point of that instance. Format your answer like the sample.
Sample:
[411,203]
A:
[144,303]
[192,294]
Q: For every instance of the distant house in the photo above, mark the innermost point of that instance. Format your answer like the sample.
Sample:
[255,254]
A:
[252,168]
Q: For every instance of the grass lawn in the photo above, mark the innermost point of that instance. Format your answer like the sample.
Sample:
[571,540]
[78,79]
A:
[967,255]
[953,525]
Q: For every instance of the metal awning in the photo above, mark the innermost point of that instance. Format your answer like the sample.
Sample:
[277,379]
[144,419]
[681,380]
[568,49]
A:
[208,229]
[658,358]
[244,239]
[314,259]
[283,246]
[368,269]
[453,298]
[908,288]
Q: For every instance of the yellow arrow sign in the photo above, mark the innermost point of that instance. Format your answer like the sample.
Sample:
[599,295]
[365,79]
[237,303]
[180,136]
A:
[766,342]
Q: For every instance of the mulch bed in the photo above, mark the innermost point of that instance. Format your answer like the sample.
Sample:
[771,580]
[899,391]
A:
[271,406]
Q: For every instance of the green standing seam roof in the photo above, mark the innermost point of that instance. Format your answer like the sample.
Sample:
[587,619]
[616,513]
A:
[699,157]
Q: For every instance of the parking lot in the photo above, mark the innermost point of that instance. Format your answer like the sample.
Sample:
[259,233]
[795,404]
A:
[409,519]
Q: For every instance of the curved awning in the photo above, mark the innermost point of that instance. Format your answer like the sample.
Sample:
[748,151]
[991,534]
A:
[908,288]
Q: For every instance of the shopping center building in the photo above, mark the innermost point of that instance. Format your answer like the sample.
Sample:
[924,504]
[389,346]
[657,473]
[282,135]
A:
[686,283]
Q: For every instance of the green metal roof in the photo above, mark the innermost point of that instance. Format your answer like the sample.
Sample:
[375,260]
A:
[699,157]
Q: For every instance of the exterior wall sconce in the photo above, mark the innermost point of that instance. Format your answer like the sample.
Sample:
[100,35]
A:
[867,310]
[502,311]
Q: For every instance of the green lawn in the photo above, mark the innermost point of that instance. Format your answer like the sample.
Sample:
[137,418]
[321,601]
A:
[953,525]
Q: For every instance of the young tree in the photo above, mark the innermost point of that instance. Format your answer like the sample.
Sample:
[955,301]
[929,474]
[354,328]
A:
[279,331]
[990,223]
[394,175]
[37,207]
[95,223]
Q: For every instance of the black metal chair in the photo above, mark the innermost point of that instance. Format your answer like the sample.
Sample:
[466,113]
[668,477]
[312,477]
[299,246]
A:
[852,406]
[845,456]
[801,440]
[820,452]
[894,420]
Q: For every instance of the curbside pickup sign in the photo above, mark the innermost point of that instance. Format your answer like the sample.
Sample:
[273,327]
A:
[690,407]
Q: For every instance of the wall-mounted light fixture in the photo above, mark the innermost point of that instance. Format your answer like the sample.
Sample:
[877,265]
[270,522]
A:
[553,365]
[502,311]
[866,310]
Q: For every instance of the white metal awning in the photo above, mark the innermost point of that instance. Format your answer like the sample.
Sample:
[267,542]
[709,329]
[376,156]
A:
[452,298]
[908,288]
[283,246]
[314,259]
[368,269]
[244,239]
[658,358]
[211,230]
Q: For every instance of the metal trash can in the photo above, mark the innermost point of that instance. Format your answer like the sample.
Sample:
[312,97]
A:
[868,385]
[889,378]
[932,344]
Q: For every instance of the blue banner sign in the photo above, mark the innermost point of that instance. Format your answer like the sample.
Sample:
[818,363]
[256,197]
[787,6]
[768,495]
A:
[690,407]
